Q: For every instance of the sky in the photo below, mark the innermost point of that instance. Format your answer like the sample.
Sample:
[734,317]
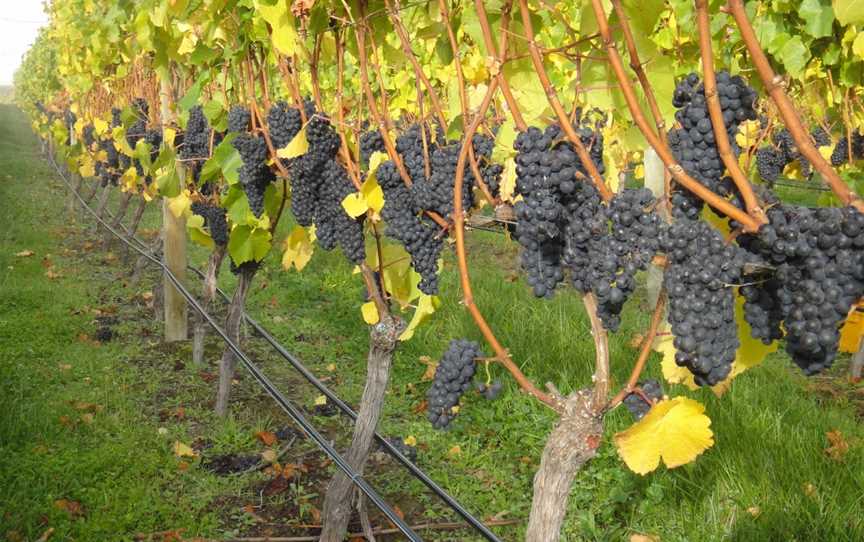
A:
[19,21]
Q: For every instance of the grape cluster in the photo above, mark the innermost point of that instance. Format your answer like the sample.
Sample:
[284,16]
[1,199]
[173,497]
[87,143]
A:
[699,279]
[693,142]
[89,135]
[370,143]
[840,155]
[418,234]
[815,260]
[214,221]
[546,176]
[255,176]
[409,145]
[452,379]
[772,160]
[333,226]
[319,184]
[284,123]
[239,118]
[636,403]
[492,391]
[196,138]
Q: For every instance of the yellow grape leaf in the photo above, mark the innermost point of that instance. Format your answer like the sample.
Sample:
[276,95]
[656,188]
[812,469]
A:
[129,180]
[373,194]
[168,136]
[639,171]
[282,24]
[181,204]
[376,160]
[79,127]
[321,400]
[675,430]
[508,181]
[100,126]
[355,204]
[826,151]
[298,249]
[410,440]
[190,39]
[86,169]
[183,450]
[370,313]
[425,307]
[296,147]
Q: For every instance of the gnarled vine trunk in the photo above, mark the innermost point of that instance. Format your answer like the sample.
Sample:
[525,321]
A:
[102,205]
[89,197]
[199,331]
[383,339]
[232,328]
[570,445]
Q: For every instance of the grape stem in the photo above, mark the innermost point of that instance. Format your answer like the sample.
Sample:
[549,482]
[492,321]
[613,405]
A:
[498,55]
[714,110]
[383,126]
[459,233]
[774,85]
[644,350]
[678,173]
[463,100]
[552,97]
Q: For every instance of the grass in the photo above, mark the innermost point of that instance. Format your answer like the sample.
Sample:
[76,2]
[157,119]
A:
[767,478]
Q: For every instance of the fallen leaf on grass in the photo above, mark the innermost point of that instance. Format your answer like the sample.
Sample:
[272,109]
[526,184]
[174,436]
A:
[65,420]
[46,262]
[207,377]
[420,407]
[431,366]
[268,455]
[636,537]
[46,535]
[809,489]
[838,446]
[147,296]
[14,536]
[410,440]
[73,508]
[64,366]
[86,407]
[331,367]
[183,450]
[754,511]
[249,509]
[454,451]
[24,253]
[266,437]
[52,275]
[183,466]
[87,418]
[321,400]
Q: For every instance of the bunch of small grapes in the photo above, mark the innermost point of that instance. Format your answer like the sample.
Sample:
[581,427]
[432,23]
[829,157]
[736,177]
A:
[452,379]
[214,221]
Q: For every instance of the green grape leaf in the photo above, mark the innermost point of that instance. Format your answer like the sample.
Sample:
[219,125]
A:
[248,243]
[818,19]
[197,233]
[849,11]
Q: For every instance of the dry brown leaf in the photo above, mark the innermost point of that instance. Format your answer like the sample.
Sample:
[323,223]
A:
[87,418]
[65,420]
[421,407]
[838,446]
[52,275]
[268,455]
[46,535]
[249,509]
[25,253]
[73,508]
[46,262]
[637,537]
[454,451]
[266,437]
[64,366]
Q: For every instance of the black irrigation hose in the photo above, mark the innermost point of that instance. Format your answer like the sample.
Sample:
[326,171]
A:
[263,381]
[416,471]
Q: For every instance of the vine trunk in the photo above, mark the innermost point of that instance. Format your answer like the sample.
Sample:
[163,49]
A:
[232,328]
[383,339]
[570,445]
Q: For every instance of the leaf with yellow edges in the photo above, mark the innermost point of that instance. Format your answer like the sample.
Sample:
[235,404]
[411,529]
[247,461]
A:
[675,430]
[296,147]
[370,313]
[373,194]
[298,249]
[86,168]
[197,233]
[355,204]
[425,307]
[181,204]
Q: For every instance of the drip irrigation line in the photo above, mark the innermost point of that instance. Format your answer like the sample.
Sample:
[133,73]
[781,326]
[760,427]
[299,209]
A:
[416,471]
[263,381]
[310,377]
